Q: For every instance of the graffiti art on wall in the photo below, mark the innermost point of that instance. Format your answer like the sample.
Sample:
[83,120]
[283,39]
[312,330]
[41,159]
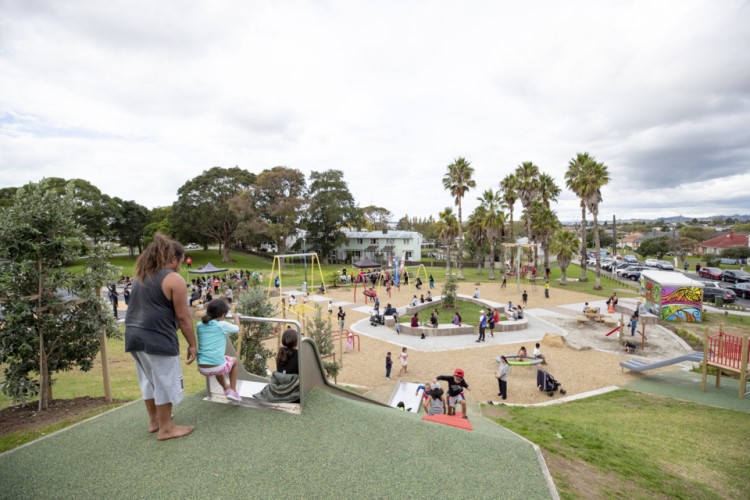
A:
[681,303]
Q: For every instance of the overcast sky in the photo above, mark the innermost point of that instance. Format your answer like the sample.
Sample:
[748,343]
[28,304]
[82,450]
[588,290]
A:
[137,97]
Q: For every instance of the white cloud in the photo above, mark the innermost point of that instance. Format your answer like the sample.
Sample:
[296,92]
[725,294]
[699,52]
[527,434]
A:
[139,97]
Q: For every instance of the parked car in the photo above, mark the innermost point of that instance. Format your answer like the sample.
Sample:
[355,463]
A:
[634,275]
[712,273]
[651,262]
[733,276]
[192,246]
[664,265]
[629,269]
[630,258]
[710,294]
[741,289]
[727,261]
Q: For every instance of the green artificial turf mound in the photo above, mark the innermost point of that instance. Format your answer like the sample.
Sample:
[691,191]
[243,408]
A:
[336,448]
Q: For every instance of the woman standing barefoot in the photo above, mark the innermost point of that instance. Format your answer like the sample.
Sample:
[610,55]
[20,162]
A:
[158,306]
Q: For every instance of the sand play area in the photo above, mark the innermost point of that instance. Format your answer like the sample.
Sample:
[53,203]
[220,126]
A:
[578,355]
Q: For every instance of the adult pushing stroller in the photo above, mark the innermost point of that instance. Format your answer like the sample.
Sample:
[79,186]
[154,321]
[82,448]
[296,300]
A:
[547,383]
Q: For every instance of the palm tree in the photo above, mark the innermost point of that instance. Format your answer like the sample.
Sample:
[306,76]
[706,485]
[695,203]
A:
[509,188]
[585,177]
[493,222]
[544,224]
[527,175]
[599,176]
[564,244]
[477,236]
[458,180]
[548,190]
[447,229]
[576,181]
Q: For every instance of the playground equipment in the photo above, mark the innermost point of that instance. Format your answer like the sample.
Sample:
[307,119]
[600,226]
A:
[726,353]
[311,376]
[278,266]
[519,271]
[406,392]
[640,366]
[384,276]
[527,361]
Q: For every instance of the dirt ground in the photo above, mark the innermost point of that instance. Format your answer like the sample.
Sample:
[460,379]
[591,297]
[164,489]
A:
[27,418]
[575,361]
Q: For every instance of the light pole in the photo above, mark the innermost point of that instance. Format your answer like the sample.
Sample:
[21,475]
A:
[304,250]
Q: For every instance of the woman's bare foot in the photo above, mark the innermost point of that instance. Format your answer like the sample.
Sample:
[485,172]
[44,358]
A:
[175,432]
[154,426]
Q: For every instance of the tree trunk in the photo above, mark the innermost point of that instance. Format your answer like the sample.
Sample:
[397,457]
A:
[492,260]
[459,263]
[583,278]
[225,251]
[597,255]
[563,278]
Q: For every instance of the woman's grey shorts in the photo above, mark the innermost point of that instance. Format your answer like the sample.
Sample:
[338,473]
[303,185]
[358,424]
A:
[160,377]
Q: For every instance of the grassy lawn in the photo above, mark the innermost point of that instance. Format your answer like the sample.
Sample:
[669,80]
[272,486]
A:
[625,444]
[123,378]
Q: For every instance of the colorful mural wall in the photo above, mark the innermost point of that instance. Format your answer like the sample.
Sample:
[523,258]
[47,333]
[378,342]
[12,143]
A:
[672,303]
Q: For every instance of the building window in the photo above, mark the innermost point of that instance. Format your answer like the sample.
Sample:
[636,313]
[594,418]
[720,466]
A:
[407,241]
[408,255]
[360,241]
[373,241]
[390,241]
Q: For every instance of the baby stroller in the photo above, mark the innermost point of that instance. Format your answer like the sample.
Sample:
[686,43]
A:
[547,383]
[377,319]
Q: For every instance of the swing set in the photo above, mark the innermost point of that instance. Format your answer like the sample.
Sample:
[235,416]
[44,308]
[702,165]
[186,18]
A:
[519,271]
[301,309]
[374,291]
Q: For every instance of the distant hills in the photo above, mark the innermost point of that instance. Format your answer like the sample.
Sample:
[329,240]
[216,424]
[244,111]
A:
[669,220]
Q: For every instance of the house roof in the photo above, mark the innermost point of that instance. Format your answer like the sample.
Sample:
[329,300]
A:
[671,278]
[729,240]
[632,237]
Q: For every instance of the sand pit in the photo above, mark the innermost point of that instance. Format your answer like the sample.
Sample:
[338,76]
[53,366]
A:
[573,360]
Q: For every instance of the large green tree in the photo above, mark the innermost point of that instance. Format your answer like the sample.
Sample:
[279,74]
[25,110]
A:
[270,212]
[331,208]
[458,180]
[53,317]
[130,223]
[95,211]
[202,211]
[377,217]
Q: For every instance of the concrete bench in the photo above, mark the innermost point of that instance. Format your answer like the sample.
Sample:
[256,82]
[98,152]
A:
[440,331]
[390,321]
[512,325]
[582,318]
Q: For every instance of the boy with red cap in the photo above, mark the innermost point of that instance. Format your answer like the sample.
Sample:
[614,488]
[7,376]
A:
[456,386]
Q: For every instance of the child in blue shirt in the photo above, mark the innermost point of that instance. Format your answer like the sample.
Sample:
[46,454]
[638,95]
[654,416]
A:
[212,332]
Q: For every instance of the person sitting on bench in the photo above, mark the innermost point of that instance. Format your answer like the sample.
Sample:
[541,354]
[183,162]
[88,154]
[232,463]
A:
[434,320]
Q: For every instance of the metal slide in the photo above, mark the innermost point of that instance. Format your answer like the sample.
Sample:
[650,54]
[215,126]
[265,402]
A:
[640,366]
[407,392]
[312,375]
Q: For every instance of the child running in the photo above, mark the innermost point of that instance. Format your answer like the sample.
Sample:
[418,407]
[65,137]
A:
[212,332]
[456,386]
